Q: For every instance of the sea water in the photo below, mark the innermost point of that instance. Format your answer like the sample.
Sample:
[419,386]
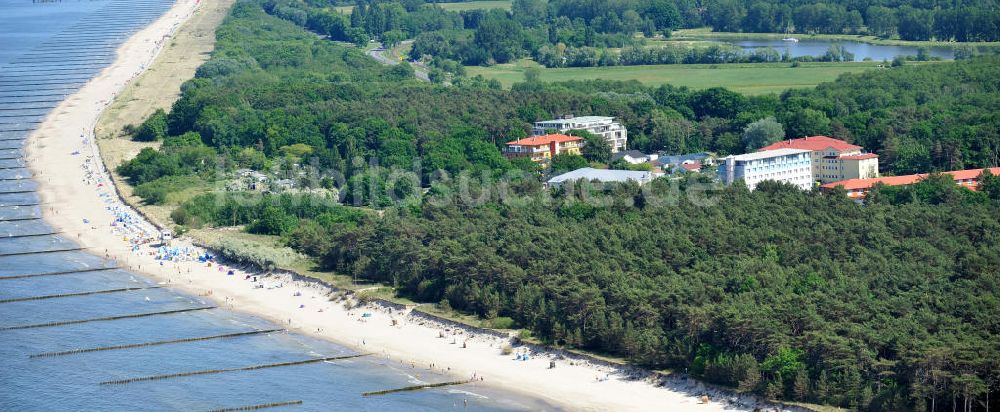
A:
[47,51]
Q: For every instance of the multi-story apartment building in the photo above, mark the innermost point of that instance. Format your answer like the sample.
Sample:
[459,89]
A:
[543,148]
[782,165]
[612,131]
[832,159]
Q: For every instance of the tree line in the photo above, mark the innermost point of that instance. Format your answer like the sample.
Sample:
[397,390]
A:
[558,56]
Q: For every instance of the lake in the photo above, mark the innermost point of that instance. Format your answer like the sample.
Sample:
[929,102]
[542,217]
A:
[817,47]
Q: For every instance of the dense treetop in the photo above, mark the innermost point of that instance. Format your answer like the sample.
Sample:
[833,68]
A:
[793,295]
[889,305]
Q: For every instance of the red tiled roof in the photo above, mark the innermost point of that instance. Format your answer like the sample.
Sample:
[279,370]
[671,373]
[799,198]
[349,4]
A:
[544,140]
[972,173]
[853,184]
[813,143]
[859,157]
[691,166]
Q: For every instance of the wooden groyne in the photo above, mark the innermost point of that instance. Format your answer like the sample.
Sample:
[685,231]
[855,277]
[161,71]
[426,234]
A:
[214,371]
[30,235]
[63,272]
[136,315]
[66,295]
[18,219]
[14,109]
[37,252]
[415,388]
[157,343]
[12,193]
[258,407]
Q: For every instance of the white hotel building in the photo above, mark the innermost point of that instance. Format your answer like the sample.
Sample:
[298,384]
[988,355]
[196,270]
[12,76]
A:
[613,132]
[782,165]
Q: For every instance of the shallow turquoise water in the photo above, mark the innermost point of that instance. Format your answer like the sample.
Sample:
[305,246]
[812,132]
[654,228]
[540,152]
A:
[47,50]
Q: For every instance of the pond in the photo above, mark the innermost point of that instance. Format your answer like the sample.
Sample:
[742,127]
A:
[818,47]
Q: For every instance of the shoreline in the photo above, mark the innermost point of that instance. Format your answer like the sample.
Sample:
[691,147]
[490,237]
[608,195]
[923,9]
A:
[80,198]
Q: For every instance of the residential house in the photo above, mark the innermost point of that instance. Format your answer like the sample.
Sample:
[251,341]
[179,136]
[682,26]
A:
[833,159]
[248,180]
[543,148]
[859,188]
[691,166]
[602,175]
[691,162]
[782,165]
[612,131]
[284,184]
[634,157]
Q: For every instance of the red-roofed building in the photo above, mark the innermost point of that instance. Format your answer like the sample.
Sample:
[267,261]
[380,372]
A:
[543,148]
[815,144]
[692,166]
[858,188]
[833,159]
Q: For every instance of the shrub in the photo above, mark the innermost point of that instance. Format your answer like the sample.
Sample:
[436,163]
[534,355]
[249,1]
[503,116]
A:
[502,322]
[154,128]
[506,349]
[155,192]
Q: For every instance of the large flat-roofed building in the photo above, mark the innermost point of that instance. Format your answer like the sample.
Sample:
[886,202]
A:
[602,175]
[833,159]
[782,165]
[859,188]
[612,131]
[543,148]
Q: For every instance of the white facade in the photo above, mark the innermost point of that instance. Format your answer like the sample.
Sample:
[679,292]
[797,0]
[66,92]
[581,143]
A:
[612,131]
[634,157]
[782,165]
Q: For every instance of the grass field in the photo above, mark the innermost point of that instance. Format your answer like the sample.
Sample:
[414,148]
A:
[476,5]
[458,6]
[756,78]
[705,33]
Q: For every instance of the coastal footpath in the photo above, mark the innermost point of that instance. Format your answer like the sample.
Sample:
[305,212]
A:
[81,200]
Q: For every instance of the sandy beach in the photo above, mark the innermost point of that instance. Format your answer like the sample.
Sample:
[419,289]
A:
[80,200]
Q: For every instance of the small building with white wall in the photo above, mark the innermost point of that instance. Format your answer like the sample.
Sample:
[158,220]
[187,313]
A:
[792,166]
[634,157]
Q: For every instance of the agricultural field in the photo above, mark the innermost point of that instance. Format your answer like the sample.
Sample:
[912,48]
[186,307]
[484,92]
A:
[754,78]
[458,6]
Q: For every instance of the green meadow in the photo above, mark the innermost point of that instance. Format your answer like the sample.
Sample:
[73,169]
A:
[476,5]
[751,78]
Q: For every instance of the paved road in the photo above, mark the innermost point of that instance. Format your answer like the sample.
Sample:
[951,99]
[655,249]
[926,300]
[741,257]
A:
[378,54]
